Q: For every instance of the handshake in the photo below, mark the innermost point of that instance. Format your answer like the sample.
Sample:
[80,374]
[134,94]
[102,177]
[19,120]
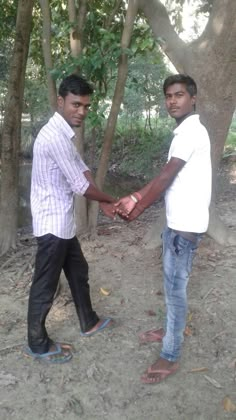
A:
[128,208]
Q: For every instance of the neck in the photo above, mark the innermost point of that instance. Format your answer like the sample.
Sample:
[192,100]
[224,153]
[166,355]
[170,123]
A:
[181,119]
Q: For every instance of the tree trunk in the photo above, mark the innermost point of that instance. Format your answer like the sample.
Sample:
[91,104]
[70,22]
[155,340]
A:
[76,32]
[12,126]
[115,108]
[211,61]
[81,203]
[47,53]
[77,21]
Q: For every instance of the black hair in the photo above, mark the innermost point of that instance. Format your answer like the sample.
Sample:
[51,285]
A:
[190,84]
[76,85]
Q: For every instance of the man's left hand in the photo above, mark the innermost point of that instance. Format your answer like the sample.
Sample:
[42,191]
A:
[108,209]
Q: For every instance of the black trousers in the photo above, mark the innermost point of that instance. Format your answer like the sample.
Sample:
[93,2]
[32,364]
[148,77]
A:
[53,255]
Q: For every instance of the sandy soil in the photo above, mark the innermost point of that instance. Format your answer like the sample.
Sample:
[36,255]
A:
[103,379]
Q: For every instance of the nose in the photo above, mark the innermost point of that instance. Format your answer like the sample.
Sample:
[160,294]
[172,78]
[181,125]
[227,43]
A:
[172,100]
[82,110]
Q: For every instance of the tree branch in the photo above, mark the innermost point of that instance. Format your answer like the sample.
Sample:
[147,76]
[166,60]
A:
[113,13]
[170,42]
[222,16]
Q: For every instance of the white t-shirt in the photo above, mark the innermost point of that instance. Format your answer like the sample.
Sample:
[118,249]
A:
[188,197]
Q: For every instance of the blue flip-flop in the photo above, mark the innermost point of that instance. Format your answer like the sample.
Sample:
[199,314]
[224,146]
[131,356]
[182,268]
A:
[44,356]
[103,325]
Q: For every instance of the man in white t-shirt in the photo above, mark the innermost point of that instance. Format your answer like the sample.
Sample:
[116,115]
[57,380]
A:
[186,182]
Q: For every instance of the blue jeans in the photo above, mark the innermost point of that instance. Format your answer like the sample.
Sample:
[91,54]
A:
[178,253]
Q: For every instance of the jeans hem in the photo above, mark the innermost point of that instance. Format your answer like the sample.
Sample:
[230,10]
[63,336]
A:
[169,358]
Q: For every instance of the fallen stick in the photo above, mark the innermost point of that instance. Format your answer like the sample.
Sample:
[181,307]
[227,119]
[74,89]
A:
[11,347]
[208,293]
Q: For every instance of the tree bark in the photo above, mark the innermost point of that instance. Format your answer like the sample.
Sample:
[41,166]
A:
[211,61]
[77,20]
[115,108]
[12,126]
[47,53]
[81,203]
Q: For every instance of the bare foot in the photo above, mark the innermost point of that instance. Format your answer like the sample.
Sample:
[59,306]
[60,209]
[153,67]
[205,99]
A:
[162,364]
[160,370]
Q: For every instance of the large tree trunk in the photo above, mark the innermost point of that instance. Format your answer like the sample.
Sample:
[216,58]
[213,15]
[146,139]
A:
[115,108]
[47,53]
[11,128]
[211,61]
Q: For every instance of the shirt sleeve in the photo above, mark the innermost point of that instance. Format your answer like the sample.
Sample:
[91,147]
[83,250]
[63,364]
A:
[66,156]
[182,147]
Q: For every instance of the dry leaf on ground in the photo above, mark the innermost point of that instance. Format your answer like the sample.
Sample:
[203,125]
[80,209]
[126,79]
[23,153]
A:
[228,405]
[188,331]
[105,292]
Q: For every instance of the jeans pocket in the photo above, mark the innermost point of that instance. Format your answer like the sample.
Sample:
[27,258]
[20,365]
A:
[180,244]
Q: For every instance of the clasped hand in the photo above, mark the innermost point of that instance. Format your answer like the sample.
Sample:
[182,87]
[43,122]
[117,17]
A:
[125,207]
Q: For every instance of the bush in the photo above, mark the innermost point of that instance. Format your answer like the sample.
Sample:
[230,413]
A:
[137,151]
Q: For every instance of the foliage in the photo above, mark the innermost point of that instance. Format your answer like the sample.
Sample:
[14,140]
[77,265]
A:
[230,145]
[8,16]
[98,62]
[199,10]
[137,149]
[143,93]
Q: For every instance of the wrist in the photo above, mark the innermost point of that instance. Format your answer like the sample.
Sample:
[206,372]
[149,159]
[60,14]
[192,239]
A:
[133,198]
[137,195]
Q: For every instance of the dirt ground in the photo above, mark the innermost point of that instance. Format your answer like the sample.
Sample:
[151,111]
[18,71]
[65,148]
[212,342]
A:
[103,379]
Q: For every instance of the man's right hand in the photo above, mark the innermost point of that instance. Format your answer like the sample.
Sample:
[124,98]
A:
[125,206]
[139,209]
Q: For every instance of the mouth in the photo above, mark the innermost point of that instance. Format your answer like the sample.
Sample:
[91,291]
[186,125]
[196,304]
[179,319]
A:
[78,120]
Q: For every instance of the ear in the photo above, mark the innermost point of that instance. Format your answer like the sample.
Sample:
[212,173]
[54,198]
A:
[193,100]
[60,102]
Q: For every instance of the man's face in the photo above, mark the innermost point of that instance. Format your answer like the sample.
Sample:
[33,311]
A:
[178,101]
[73,108]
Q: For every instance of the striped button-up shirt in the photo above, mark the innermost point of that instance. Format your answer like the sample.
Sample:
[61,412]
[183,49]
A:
[57,175]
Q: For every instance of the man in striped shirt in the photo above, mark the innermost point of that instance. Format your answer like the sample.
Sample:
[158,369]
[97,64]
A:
[58,173]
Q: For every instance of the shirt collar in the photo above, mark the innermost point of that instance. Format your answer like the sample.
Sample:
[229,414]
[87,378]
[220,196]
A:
[185,124]
[64,126]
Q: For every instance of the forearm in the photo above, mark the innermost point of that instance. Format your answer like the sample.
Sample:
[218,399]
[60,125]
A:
[93,193]
[89,177]
[154,191]
[155,188]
